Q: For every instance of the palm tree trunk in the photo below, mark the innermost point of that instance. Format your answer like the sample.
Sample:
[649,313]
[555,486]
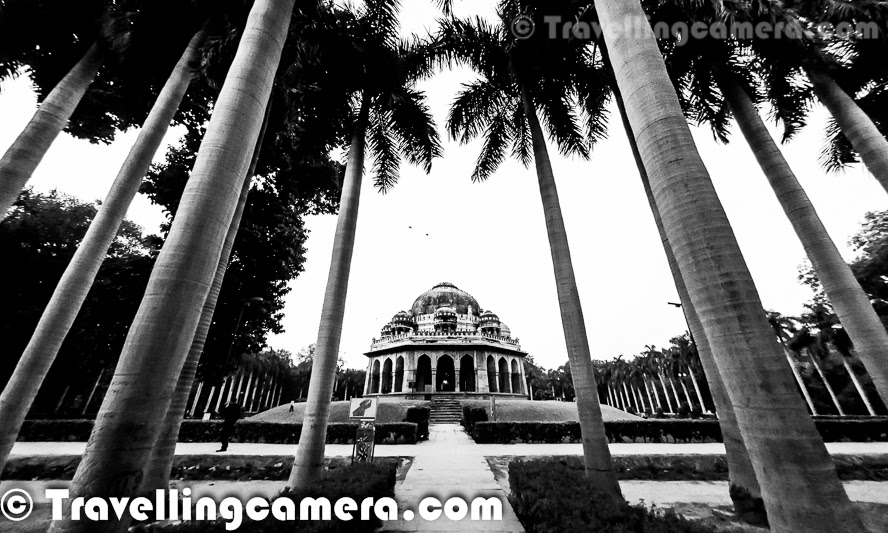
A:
[794,469]
[92,392]
[858,386]
[696,388]
[309,462]
[61,400]
[857,126]
[656,396]
[826,384]
[663,383]
[71,292]
[799,380]
[638,398]
[626,395]
[240,379]
[157,345]
[226,385]
[684,387]
[851,303]
[596,454]
[26,152]
[196,398]
[246,390]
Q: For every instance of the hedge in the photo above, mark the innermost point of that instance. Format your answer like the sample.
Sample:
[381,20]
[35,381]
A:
[861,430]
[419,416]
[357,481]
[549,495]
[472,415]
[208,431]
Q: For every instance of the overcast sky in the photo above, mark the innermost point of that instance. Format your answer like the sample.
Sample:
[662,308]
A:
[489,239]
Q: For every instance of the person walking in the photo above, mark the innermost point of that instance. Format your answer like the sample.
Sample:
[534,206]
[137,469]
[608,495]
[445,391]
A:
[231,414]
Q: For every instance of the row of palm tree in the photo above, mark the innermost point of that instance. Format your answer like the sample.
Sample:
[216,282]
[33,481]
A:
[647,383]
[567,84]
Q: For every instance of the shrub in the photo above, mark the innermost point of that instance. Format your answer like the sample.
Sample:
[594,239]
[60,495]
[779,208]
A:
[208,431]
[548,496]
[655,430]
[472,415]
[420,417]
[358,481]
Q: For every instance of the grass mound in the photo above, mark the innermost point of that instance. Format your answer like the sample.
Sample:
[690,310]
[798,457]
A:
[528,411]
[389,412]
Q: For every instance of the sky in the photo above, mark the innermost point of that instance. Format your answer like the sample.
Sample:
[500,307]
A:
[489,239]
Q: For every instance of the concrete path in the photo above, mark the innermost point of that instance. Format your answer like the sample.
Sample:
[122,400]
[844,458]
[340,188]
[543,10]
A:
[450,465]
[418,450]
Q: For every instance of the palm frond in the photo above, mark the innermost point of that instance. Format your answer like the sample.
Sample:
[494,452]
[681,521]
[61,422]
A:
[493,153]
[386,161]
[473,109]
[413,123]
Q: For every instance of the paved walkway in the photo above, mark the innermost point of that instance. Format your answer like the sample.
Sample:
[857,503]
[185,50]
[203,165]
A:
[450,465]
[424,448]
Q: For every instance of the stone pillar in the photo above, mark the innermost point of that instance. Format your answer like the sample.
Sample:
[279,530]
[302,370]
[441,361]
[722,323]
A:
[456,376]
[481,373]
[435,377]
[523,376]
[367,378]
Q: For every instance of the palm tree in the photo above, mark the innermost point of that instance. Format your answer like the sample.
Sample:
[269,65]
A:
[26,152]
[72,289]
[140,393]
[795,484]
[392,115]
[157,471]
[743,489]
[780,325]
[828,333]
[518,79]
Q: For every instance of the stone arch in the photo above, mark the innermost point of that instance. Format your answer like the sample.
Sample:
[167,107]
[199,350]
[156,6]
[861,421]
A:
[516,377]
[423,372]
[374,378]
[387,376]
[503,373]
[467,373]
[399,374]
[446,374]
[491,375]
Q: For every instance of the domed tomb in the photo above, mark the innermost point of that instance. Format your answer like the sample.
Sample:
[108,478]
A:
[445,294]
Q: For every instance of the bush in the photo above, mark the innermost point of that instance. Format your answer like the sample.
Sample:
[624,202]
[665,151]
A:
[357,481]
[472,415]
[420,417]
[209,430]
[654,430]
[549,495]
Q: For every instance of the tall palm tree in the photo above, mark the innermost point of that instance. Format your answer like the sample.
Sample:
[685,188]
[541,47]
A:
[22,158]
[72,289]
[743,485]
[393,116]
[804,341]
[137,401]
[779,325]
[518,80]
[769,415]
[157,470]
[728,67]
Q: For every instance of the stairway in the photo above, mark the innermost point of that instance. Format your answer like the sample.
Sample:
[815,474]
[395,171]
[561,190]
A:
[445,410]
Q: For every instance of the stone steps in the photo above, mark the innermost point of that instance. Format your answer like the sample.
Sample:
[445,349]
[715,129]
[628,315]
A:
[445,410]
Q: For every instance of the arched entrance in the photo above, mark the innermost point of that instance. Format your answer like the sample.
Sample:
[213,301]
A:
[504,384]
[446,375]
[491,375]
[516,377]
[467,373]
[374,378]
[423,372]
[399,374]
[387,377]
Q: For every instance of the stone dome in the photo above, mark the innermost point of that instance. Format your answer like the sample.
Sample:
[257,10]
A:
[489,317]
[505,331]
[445,312]
[402,318]
[445,295]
